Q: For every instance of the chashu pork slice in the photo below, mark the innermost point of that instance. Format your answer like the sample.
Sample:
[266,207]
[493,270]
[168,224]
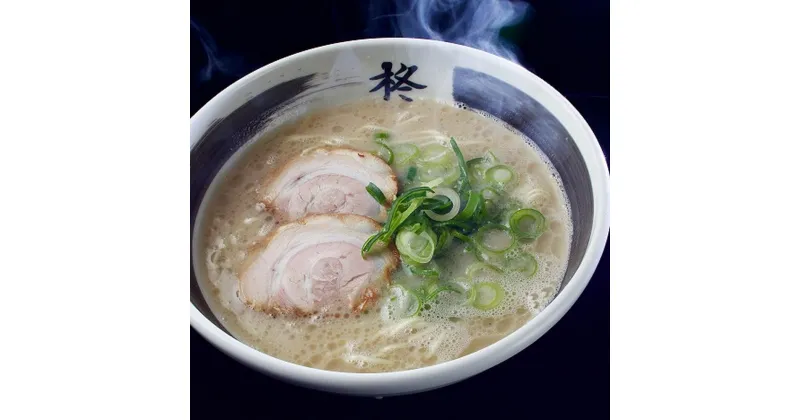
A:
[315,265]
[330,180]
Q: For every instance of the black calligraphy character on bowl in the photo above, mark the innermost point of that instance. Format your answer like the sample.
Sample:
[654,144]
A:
[400,82]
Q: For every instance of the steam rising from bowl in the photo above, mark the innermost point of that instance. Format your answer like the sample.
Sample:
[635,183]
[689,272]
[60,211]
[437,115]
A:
[474,23]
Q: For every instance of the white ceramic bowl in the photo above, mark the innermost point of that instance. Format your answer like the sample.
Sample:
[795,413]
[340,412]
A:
[339,73]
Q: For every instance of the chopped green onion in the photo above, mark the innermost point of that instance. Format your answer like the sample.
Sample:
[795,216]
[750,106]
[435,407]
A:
[501,175]
[486,295]
[447,173]
[412,172]
[432,288]
[455,201]
[443,288]
[433,153]
[416,244]
[369,243]
[495,238]
[423,271]
[433,184]
[466,240]
[428,271]
[487,160]
[398,218]
[443,240]
[474,163]
[491,206]
[476,168]
[527,224]
[477,267]
[400,210]
[464,227]
[461,237]
[525,264]
[405,153]
[489,193]
[471,208]
[461,285]
[376,193]
[408,302]
[438,204]
[385,153]
[490,209]
[462,166]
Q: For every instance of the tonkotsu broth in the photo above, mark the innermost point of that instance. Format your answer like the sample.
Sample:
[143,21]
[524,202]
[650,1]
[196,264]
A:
[377,340]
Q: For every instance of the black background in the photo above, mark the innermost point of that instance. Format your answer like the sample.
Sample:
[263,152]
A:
[566,372]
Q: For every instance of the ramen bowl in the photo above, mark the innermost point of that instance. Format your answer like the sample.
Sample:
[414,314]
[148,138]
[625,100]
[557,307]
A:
[402,70]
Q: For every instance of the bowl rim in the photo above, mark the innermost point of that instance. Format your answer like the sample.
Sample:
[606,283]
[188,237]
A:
[466,366]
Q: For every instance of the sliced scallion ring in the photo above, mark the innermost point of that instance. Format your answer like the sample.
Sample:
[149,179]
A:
[490,209]
[376,193]
[474,202]
[405,153]
[477,268]
[434,292]
[385,153]
[400,210]
[434,153]
[406,302]
[412,173]
[452,195]
[476,168]
[476,164]
[438,204]
[448,173]
[461,285]
[500,175]
[489,193]
[524,263]
[527,224]
[423,270]
[416,246]
[495,238]
[485,295]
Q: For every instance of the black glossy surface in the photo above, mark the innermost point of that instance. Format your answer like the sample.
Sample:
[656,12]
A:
[563,374]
